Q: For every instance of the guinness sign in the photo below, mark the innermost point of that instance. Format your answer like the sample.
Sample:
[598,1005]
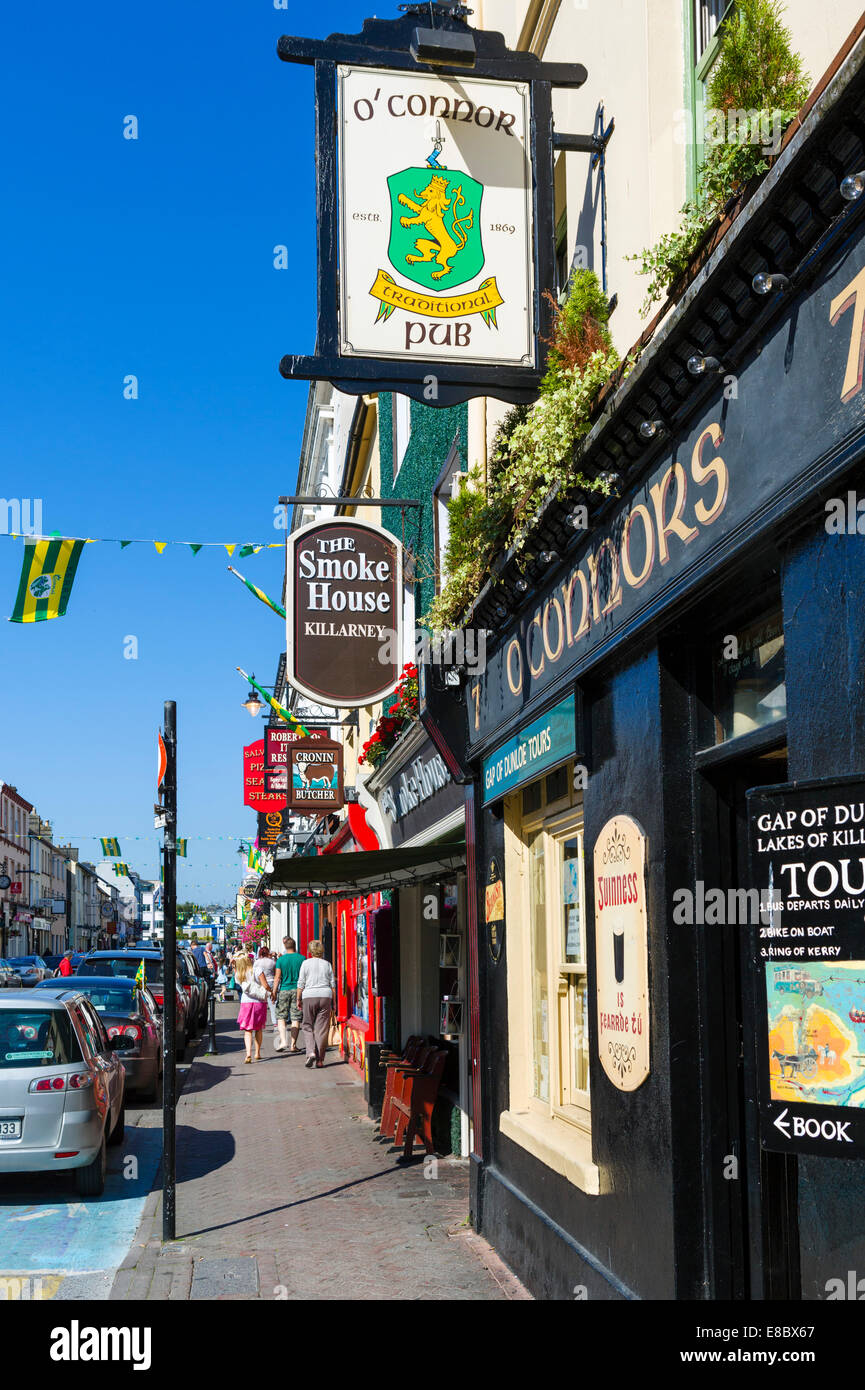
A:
[344,612]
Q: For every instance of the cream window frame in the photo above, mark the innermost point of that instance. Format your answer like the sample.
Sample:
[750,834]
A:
[559,1130]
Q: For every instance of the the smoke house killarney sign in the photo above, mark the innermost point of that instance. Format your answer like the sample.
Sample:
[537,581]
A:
[315,780]
[344,612]
[807,844]
[433,256]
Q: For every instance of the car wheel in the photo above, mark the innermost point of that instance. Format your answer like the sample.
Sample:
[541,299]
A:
[117,1133]
[90,1180]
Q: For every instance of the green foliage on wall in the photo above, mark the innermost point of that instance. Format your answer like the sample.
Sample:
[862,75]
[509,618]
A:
[433,432]
[755,89]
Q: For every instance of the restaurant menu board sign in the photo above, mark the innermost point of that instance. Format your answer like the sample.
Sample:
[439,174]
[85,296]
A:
[622,952]
[271,824]
[255,792]
[436,226]
[315,775]
[344,612]
[807,854]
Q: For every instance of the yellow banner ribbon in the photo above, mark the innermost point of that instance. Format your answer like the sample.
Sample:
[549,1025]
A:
[484,300]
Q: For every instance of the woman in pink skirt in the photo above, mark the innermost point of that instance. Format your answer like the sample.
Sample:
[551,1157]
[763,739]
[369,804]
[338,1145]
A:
[252,1015]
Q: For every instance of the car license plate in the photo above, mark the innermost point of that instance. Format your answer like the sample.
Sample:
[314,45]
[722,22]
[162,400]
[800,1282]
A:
[10,1129]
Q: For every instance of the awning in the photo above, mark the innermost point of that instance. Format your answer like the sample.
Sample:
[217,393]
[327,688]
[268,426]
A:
[367,871]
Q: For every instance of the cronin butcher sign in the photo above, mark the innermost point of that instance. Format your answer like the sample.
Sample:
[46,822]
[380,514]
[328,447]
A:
[344,612]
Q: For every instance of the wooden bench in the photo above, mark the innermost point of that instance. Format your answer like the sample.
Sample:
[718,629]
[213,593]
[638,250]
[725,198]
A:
[414,1107]
[395,1062]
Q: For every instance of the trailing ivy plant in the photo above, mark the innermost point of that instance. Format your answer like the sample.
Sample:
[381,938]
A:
[532,450]
[756,87]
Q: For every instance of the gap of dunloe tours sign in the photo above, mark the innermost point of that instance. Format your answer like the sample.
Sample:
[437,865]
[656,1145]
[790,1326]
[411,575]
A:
[436,238]
[344,597]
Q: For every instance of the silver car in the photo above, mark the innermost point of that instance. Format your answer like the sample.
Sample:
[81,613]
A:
[61,1087]
[9,978]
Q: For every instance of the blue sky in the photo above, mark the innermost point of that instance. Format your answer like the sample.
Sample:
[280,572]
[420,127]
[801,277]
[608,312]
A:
[151,257]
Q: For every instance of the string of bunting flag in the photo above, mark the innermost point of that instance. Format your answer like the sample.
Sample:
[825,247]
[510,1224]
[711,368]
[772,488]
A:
[51,563]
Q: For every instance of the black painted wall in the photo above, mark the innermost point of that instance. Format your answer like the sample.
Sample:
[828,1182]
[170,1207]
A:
[629,1229]
[824,632]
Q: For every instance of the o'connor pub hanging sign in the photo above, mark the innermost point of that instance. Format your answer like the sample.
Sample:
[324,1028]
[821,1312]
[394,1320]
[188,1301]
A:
[434,154]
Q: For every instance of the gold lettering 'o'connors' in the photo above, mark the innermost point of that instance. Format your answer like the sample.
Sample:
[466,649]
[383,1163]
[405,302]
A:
[553,654]
[515,682]
[535,622]
[637,581]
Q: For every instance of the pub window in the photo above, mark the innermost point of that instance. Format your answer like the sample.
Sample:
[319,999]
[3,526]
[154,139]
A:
[748,679]
[559,1001]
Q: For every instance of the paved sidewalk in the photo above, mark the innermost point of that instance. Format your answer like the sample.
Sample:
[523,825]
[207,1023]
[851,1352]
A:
[285,1193]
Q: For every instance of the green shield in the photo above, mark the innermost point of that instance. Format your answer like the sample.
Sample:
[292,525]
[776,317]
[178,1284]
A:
[442,246]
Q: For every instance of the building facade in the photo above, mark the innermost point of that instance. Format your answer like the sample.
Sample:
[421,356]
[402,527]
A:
[699,638]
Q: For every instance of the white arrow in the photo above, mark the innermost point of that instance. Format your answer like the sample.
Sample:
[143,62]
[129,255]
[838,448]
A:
[36,1215]
[782,1124]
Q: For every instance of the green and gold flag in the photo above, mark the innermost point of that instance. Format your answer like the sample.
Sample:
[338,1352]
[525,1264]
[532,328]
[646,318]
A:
[277,708]
[120,869]
[110,848]
[140,976]
[181,848]
[47,576]
[259,593]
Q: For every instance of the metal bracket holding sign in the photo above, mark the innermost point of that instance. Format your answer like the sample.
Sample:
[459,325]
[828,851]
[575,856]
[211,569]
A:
[435,209]
[807,857]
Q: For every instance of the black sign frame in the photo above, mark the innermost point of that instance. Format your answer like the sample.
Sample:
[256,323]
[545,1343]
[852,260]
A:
[388,44]
[334,751]
[782,822]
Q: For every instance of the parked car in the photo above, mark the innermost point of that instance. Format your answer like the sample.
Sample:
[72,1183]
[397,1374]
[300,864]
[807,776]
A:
[53,962]
[195,987]
[126,964]
[126,1011]
[9,978]
[32,969]
[61,1086]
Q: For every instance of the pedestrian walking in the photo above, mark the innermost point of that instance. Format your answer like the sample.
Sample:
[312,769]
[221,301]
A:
[264,971]
[252,1014]
[316,991]
[65,966]
[222,979]
[285,993]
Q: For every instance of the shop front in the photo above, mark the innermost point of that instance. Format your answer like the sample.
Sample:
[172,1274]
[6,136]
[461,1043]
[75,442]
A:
[349,928]
[656,1033]
[422,805]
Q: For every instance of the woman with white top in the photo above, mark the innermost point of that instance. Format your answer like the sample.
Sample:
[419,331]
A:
[316,990]
[264,971]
